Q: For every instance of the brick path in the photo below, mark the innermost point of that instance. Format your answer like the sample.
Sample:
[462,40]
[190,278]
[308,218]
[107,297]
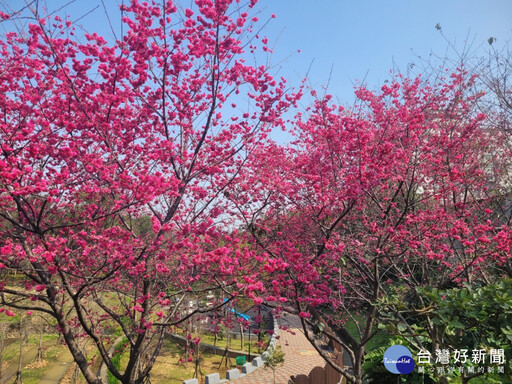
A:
[300,356]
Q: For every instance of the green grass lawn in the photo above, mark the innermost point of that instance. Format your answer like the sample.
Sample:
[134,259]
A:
[168,368]
[380,339]
[233,344]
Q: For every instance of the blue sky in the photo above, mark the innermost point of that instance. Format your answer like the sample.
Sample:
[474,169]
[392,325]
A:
[364,39]
[358,39]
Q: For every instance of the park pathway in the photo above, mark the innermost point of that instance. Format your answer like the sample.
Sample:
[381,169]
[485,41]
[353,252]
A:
[300,356]
[54,371]
[9,372]
[58,369]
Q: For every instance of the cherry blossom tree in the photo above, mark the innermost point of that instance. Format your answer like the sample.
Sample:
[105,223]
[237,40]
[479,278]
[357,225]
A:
[370,202]
[116,157]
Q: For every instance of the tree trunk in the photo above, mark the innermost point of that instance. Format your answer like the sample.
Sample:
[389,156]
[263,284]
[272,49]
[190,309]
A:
[241,337]
[18,372]
[357,366]
[2,345]
[40,347]
[227,347]
[76,373]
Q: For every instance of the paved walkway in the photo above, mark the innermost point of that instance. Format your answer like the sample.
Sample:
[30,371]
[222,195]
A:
[300,356]
[28,356]
[54,371]
[58,369]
